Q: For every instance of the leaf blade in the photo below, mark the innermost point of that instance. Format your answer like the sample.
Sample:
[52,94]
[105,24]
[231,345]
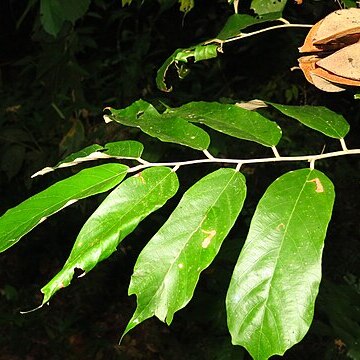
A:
[237,22]
[262,7]
[209,209]
[118,150]
[231,120]
[279,264]
[318,118]
[143,115]
[37,208]
[118,215]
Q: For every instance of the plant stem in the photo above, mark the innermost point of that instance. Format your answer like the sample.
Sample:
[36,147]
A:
[243,35]
[239,162]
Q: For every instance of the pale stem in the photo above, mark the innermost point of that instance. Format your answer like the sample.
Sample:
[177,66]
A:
[236,5]
[343,144]
[242,35]
[276,153]
[207,154]
[309,158]
[142,161]
[312,164]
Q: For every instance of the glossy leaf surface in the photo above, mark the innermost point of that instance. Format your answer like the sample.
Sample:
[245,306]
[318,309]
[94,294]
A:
[117,216]
[19,220]
[270,301]
[118,149]
[168,268]
[318,118]
[232,120]
[175,129]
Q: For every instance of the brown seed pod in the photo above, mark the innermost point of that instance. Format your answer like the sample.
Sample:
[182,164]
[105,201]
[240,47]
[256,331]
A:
[335,44]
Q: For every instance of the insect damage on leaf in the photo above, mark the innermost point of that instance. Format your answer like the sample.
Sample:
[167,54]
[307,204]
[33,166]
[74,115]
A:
[210,234]
[319,186]
[280,227]
[139,175]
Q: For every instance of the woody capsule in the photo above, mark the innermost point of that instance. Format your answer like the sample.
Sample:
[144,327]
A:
[333,48]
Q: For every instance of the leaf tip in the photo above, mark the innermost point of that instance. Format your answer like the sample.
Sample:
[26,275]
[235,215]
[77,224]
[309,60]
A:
[42,172]
[107,119]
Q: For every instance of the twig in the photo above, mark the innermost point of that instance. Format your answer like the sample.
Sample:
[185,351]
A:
[243,35]
[308,158]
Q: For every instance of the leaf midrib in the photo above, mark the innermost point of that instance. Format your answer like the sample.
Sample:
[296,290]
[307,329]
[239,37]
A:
[276,263]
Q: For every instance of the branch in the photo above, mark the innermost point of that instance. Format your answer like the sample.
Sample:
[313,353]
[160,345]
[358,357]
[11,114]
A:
[243,35]
[309,158]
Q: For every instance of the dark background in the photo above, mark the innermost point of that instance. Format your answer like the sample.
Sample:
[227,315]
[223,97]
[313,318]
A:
[52,92]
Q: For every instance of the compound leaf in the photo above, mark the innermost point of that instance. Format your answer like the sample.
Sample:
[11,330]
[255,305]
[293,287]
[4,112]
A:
[270,300]
[143,115]
[318,118]
[18,221]
[168,268]
[232,120]
[117,216]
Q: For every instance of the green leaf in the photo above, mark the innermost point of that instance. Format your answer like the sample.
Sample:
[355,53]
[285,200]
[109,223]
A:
[125,2]
[205,52]
[262,7]
[270,300]
[198,52]
[168,268]
[237,22]
[349,3]
[232,120]
[357,96]
[318,118]
[161,73]
[119,149]
[186,5]
[118,215]
[19,220]
[124,149]
[55,12]
[51,16]
[176,130]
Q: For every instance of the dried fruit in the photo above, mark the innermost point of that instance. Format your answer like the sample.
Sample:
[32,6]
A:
[334,45]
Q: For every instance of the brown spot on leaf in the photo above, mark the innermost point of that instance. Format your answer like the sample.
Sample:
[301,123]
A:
[280,226]
[319,186]
[139,175]
[210,234]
